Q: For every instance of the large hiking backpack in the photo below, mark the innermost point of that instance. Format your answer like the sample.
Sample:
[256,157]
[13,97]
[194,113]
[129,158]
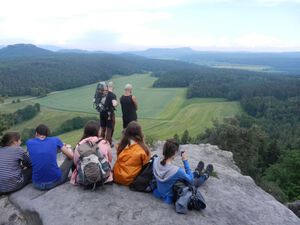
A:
[93,168]
[100,97]
[145,181]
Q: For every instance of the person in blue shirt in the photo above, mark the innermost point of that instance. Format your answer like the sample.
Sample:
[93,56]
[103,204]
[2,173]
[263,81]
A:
[42,151]
[166,174]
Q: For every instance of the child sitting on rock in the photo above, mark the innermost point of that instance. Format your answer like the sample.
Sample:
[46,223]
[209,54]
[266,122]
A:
[166,174]
[132,154]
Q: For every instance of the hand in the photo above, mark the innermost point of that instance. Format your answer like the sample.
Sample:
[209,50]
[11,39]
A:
[184,156]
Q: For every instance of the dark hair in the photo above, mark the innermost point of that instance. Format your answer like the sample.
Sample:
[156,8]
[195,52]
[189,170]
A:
[91,129]
[170,148]
[134,132]
[42,129]
[9,138]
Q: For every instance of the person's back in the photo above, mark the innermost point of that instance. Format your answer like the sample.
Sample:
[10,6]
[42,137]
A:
[104,148]
[42,151]
[12,174]
[129,164]
[166,174]
[129,106]
[132,154]
[43,156]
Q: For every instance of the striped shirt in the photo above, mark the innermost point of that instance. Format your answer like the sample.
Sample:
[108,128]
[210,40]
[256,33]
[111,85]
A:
[10,168]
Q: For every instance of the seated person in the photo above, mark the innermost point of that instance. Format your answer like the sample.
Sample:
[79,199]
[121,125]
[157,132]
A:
[42,151]
[166,174]
[132,154]
[15,165]
[91,133]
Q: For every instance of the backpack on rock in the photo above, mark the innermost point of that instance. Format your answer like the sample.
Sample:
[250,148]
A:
[93,168]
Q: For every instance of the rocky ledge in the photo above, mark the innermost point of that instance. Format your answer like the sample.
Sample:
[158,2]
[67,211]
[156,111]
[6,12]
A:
[232,199]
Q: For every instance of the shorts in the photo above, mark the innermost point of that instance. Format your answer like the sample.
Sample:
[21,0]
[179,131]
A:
[105,121]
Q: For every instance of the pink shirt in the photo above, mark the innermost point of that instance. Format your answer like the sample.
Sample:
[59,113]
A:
[105,149]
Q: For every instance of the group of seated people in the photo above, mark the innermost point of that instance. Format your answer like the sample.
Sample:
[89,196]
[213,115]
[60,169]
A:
[39,164]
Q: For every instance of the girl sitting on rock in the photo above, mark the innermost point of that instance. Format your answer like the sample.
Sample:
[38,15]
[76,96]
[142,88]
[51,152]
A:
[91,135]
[15,165]
[132,154]
[166,174]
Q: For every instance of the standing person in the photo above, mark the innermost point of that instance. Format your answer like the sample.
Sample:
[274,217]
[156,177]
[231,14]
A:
[13,160]
[166,174]
[132,155]
[129,106]
[106,101]
[112,103]
[90,134]
[42,151]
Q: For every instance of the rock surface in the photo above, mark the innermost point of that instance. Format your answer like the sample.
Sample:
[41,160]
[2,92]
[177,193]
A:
[9,214]
[232,199]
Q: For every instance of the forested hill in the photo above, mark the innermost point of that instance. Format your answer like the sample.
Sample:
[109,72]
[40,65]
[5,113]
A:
[28,70]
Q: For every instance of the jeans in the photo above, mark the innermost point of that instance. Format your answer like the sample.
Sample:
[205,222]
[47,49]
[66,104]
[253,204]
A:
[65,168]
[199,179]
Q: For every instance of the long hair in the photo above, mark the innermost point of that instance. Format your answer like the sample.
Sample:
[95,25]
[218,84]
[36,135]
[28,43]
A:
[9,138]
[132,132]
[91,129]
[169,150]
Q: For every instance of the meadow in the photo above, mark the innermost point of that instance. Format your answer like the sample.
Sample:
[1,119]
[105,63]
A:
[162,111]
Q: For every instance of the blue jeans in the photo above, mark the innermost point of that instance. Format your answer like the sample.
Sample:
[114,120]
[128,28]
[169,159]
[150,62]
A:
[199,179]
[65,169]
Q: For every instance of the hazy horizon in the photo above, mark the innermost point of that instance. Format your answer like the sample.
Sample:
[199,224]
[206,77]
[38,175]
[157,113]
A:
[206,25]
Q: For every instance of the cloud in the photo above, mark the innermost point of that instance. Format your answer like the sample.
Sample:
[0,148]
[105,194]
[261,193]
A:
[102,24]
[277,2]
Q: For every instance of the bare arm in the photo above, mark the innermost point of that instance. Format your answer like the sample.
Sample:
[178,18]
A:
[114,103]
[135,102]
[67,152]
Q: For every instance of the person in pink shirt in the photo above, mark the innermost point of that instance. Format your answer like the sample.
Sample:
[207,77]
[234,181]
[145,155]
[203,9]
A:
[91,133]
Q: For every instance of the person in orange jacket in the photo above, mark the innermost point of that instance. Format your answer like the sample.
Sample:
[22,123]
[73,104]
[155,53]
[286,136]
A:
[132,154]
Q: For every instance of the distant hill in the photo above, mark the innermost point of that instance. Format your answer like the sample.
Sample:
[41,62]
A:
[73,51]
[288,62]
[166,53]
[23,50]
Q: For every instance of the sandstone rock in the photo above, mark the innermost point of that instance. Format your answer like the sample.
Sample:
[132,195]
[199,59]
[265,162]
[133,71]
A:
[9,214]
[232,199]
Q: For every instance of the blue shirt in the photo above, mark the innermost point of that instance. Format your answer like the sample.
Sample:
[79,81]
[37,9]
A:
[164,189]
[43,159]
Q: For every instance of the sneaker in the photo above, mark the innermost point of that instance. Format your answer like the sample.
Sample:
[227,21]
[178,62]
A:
[209,169]
[200,167]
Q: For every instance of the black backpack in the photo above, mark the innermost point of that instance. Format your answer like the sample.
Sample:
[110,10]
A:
[145,181]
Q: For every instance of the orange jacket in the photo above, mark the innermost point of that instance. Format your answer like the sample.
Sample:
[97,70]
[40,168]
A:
[129,163]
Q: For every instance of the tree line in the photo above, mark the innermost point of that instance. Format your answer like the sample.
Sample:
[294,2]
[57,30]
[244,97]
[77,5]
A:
[7,120]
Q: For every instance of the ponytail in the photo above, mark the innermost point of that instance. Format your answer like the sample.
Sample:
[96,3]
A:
[169,150]
[163,162]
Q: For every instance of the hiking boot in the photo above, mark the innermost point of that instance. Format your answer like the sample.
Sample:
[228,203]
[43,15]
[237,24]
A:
[209,169]
[199,167]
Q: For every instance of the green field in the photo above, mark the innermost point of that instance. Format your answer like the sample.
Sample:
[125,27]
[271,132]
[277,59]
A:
[162,111]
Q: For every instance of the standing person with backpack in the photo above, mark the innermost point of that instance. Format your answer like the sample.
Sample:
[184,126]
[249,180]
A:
[105,102]
[92,158]
[42,151]
[132,155]
[129,106]
[112,103]
[167,174]
[15,165]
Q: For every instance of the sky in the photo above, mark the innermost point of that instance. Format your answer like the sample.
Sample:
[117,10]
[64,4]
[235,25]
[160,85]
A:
[123,25]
